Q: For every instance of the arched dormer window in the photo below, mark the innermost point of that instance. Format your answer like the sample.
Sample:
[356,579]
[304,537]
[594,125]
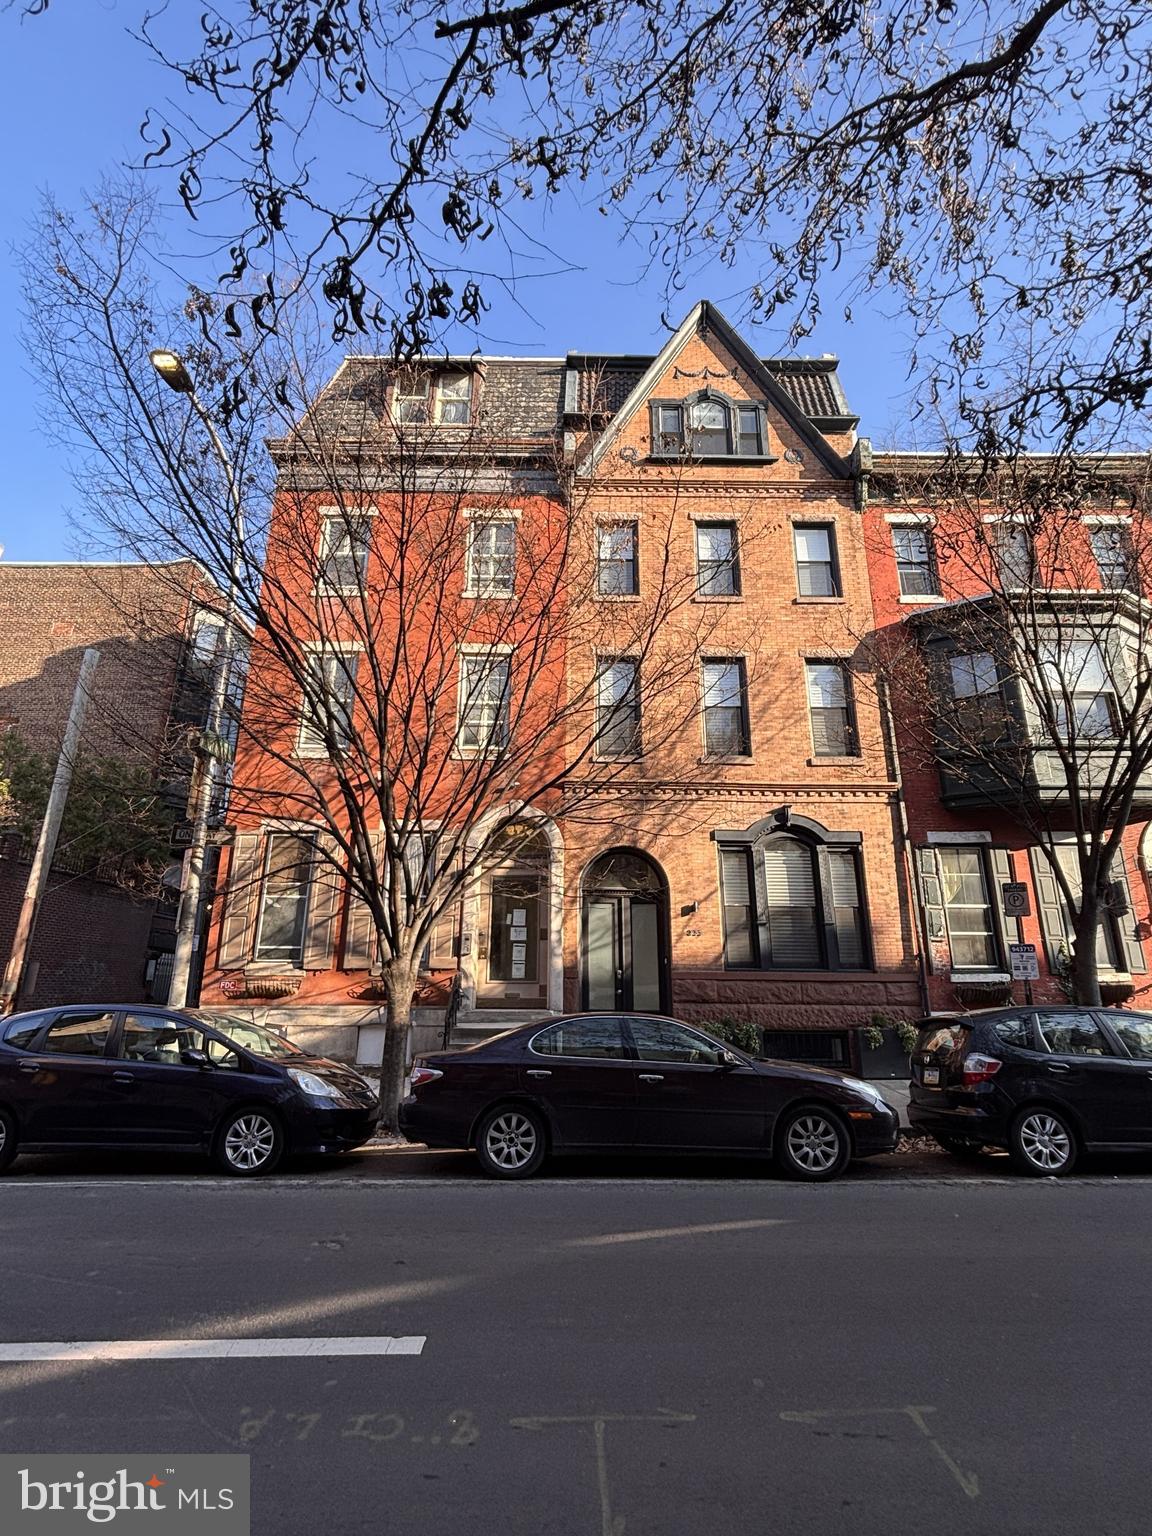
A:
[792,898]
[709,425]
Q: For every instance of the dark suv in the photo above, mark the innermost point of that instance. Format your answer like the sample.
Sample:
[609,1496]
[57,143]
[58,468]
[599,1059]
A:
[1047,1083]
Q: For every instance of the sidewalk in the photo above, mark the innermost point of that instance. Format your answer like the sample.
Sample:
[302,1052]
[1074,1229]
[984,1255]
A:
[896,1092]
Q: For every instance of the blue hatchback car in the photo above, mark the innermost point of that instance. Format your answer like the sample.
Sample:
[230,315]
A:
[129,1076]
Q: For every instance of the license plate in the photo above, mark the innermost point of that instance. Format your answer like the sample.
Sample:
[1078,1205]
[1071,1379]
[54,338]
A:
[931,1077]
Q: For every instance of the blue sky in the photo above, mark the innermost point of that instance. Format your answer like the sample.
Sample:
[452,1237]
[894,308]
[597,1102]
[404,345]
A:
[73,90]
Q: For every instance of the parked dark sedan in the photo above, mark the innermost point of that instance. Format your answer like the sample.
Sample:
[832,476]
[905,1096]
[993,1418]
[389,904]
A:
[635,1083]
[135,1076]
[1047,1083]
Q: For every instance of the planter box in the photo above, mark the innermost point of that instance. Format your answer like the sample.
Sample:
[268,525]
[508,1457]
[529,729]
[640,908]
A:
[885,1061]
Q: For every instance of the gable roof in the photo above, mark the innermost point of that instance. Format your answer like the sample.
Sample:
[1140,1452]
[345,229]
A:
[705,319]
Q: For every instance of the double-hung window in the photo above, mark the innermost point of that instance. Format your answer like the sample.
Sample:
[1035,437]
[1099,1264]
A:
[491,557]
[328,702]
[967,909]
[484,701]
[979,704]
[1109,953]
[411,398]
[1115,557]
[284,897]
[709,426]
[717,560]
[830,709]
[616,568]
[1080,691]
[344,544]
[617,707]
[1014,554]
[915,560]
[726,731]
[816,572]
[454,399]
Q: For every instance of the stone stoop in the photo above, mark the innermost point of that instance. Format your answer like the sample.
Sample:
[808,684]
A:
[476,1024]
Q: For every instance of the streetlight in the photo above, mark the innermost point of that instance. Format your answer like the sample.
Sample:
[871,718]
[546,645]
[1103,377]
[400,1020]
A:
[171,368]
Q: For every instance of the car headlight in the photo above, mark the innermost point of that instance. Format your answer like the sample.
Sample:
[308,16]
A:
[315,1087]
[866,1091]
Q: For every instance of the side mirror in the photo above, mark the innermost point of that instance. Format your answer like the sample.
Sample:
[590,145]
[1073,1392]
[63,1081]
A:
[190,1057]
[728,1061]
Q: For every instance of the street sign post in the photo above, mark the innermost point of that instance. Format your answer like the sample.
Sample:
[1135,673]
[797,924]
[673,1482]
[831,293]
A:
[1023,962]
[1015,898]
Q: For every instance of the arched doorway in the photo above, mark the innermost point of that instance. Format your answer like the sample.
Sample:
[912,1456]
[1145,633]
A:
[624,928]
[514,940]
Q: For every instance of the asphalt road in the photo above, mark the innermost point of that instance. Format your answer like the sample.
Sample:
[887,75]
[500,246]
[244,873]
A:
[669,1356]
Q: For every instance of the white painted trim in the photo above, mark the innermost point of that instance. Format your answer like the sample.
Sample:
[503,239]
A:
[327,513]
[925,600]
[212,1349]
[471,924]
[911,519]
[979,976]
[477,648]
[1101,519]
[938,839]
[493,514]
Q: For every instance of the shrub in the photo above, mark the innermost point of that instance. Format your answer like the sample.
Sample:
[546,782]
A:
[738,1032]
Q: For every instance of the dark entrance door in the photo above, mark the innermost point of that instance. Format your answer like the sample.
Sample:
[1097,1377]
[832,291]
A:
[625,956]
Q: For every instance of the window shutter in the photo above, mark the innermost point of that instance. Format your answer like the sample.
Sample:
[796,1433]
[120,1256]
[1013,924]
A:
[739,944]
[1050,905]
[244,870]
[1129,932]
[360,943]
[932,901]
[790,884]
[442,944]
[1001,875]
[328,885]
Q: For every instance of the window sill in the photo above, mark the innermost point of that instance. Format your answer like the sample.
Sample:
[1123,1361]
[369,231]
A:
[330,591]
[850,759]
[721,758]
[616,597]
[273,968]
[718,597]
[816,601]
[924,600]
[488,597]
[980,977]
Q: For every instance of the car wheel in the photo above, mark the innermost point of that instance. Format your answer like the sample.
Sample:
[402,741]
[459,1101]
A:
[511,1142]
[8,1140]
[249,1142]
[959,1146]
[1043,1144]
[813,1144]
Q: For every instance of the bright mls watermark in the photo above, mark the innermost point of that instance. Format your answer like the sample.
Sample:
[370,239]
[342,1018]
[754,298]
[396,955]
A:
[187,1495]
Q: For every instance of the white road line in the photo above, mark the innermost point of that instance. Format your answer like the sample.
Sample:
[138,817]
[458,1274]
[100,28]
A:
[210,1349]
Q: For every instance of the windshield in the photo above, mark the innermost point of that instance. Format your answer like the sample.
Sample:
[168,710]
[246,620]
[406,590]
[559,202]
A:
[261,1042]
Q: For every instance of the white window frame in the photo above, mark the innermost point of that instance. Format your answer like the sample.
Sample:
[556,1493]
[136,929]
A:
[471,653]
[469,399]
[307,744]
[303,832]
[344,521]
[483,518]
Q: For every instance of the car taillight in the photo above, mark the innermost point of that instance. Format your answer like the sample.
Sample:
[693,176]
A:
[424,1075]
[978,1069]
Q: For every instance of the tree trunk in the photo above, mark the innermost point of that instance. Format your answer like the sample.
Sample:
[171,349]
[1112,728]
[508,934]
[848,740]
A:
[399,981]
[1085,974]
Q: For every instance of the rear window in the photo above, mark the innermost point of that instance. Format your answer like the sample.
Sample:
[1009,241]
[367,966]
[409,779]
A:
[941,1039]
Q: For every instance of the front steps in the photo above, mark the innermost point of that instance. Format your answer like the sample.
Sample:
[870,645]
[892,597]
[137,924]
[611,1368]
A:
[476,1024]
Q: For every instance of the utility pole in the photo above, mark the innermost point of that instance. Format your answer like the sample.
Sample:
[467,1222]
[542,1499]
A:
[49,834]
[170,366]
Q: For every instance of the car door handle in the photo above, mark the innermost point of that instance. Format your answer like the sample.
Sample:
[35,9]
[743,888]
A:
[31,1066]
[1056,1066]
[651,1077]
[538,1072]
[123,1077]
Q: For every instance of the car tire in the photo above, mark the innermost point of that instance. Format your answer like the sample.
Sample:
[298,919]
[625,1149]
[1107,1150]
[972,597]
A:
[249,1142]
[511,1142]
[960,1147]
[813,1144]
[9,1142]
[1043,1143]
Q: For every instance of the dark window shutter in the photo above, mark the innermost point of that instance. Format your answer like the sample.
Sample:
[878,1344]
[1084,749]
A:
[1050,905]
[844,890]
[360,945]
[1129,932]
[932,900]
[739,940]
[244,871]
[1002,867]
[324,896]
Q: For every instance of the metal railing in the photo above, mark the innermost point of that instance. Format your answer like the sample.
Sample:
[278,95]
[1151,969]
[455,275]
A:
[452,1010]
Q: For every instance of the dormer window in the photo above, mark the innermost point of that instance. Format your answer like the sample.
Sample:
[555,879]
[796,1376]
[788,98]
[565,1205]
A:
[709,426]
[437,399]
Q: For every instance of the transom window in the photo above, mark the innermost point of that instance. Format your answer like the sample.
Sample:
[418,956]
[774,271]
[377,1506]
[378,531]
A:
[616,569]
[717,560]
[915,562]
[484,702]
[709,426]
[491,557]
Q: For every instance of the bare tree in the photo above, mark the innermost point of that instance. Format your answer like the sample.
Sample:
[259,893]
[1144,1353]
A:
[1036,667]
[427,658]
[988,163]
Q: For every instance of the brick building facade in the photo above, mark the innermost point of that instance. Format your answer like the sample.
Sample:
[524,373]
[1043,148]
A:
[96,940]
